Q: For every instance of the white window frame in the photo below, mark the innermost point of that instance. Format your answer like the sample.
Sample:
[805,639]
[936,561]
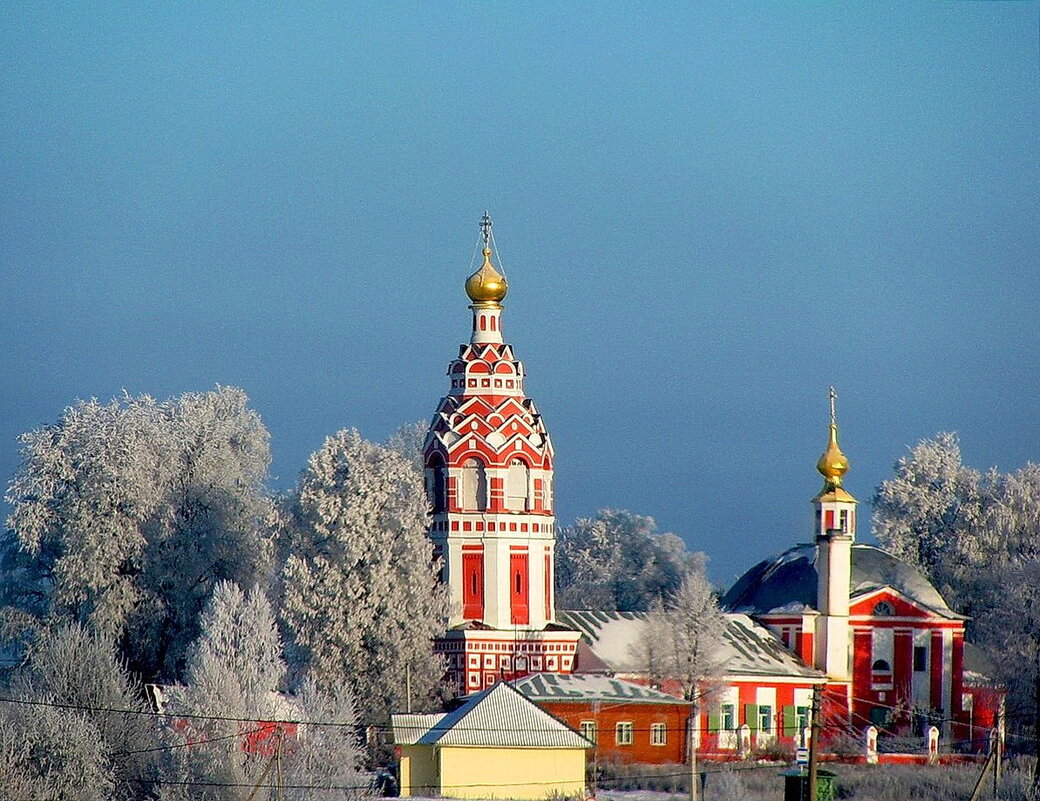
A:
[624,732]
[658,734]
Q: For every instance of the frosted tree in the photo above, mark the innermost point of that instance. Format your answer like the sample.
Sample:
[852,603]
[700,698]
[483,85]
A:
[234,673]
[233,702]
[236,666]
[408,440]
[125,514]
[82,718]
[688,628]
[361,597]
[329,756]
[52,753]
[977,537]
[1007,612]
[85,491]
[931,513]
[618,561]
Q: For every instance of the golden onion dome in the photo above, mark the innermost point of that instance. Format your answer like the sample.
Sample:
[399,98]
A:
[487,285]
[833,464]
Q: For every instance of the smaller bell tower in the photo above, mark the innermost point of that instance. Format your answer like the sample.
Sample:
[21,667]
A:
[835,533]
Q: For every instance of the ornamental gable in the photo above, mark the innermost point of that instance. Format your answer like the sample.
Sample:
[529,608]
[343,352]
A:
[888,602]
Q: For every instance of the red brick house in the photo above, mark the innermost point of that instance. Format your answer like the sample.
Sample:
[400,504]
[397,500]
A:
[627,722]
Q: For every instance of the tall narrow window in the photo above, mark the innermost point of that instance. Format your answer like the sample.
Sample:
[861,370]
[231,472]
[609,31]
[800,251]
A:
[438,484]
[474,486]
[518,597]
[516,486]
[473,585]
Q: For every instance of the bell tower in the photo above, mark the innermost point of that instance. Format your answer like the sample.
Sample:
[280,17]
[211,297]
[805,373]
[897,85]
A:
[489,474]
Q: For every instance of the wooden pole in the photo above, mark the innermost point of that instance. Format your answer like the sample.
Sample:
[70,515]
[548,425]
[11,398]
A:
[814,742]
[982,777]
[998,767]
[281,770]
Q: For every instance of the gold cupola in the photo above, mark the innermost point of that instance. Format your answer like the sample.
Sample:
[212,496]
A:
[833,464]
[487,285]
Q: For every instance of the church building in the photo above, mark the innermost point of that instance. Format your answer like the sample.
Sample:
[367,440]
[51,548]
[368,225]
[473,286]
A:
[834,613]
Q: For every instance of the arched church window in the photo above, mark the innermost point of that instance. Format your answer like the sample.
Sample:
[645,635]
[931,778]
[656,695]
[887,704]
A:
[474,486]
[517,486]
[881,666]
[883,609]
[438,484]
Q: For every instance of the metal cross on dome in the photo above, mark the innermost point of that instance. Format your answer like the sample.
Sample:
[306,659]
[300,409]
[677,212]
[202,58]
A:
[485,228]
[833,395]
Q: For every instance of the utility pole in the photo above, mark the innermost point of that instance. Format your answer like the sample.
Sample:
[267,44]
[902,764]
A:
[814,741]
[280,769]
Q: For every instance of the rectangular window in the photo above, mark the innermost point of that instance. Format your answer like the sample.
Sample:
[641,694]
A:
[843,520]
[729,717]
[801,714]
[920,658]
[658,734]
[623,733]
[765,719]
[588,730]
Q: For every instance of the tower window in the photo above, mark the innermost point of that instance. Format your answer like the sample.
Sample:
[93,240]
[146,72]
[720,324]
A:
[474,486]
[881,666]
[516,486]
[438,493]
[883,609]
[920,659]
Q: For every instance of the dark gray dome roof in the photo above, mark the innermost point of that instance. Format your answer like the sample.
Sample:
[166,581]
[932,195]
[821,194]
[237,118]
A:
[788,582]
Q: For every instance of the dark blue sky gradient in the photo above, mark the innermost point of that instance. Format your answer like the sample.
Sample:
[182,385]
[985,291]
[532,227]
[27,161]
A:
[707,212]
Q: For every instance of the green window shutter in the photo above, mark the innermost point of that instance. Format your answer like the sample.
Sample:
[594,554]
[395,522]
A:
[790,722]
[714,724]
[751,716]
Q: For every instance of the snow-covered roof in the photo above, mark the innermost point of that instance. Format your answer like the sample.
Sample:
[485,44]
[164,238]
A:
[979,670]
[570,687]
[745,648]
[409,728]
[787,582]
[500,716]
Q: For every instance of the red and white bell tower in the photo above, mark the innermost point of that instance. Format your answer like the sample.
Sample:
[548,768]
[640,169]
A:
[489,474]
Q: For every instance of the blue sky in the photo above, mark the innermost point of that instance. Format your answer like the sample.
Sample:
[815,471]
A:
[707,212]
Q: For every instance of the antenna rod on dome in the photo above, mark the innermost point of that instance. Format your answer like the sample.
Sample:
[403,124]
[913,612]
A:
[485,227]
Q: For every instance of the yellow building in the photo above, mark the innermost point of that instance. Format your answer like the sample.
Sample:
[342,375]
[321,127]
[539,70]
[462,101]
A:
[498,744]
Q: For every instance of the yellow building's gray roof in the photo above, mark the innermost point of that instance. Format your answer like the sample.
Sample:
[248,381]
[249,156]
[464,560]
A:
[499,717]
